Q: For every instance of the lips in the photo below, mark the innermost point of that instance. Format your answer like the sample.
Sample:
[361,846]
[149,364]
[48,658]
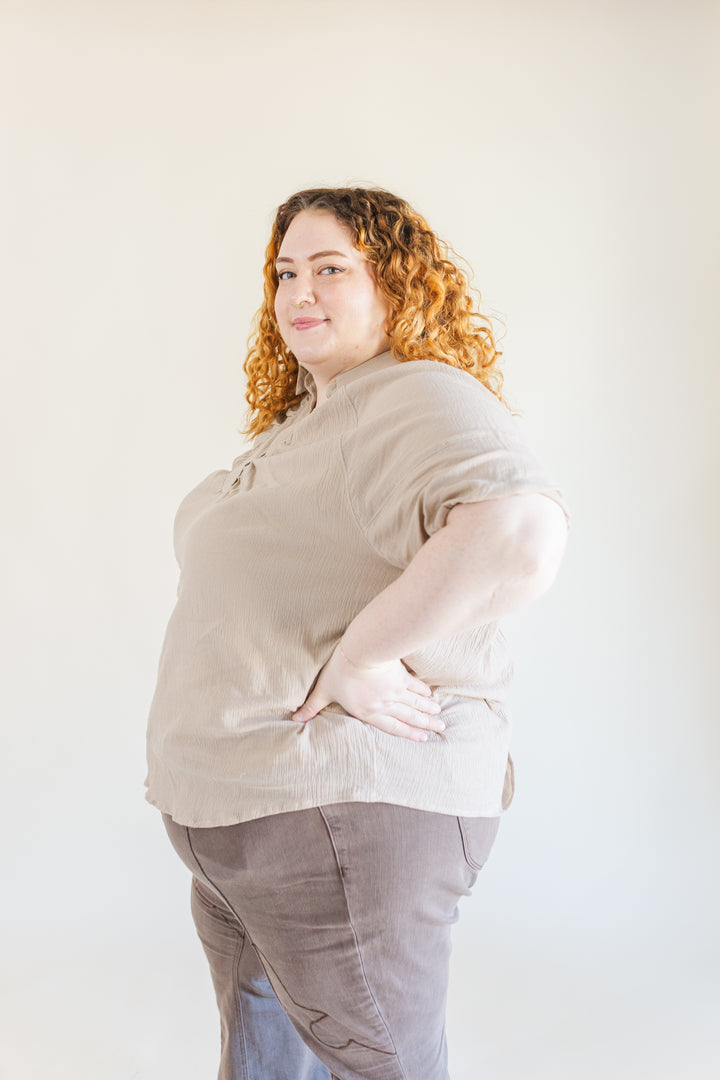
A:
[307,324]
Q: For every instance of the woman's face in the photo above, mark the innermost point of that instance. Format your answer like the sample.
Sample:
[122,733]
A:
[328,306]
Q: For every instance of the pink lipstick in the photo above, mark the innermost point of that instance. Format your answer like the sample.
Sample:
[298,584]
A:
[307,324]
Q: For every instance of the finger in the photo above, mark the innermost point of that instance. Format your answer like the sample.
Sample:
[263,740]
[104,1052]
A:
[424,704]
[392,726]
[419,687]
[310,707]
[413,716]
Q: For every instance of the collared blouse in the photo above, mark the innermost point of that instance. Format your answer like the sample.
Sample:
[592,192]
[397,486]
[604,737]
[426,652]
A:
[279,553]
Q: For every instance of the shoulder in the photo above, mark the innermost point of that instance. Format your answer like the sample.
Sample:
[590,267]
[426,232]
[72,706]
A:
[429,390]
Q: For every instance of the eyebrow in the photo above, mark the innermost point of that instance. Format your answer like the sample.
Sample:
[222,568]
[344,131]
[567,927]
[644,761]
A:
[317,255]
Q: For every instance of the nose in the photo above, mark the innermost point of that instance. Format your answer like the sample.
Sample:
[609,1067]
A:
[302,291]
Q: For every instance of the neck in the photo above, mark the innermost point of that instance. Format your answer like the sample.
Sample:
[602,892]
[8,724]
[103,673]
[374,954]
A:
[324,376]
[321,387]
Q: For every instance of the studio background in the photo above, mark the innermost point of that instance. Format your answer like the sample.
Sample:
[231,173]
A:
[568,150]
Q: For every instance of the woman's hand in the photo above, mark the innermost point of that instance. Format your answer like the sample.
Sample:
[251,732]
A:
[386,696]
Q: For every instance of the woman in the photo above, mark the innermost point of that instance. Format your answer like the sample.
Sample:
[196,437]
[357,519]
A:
[327,740]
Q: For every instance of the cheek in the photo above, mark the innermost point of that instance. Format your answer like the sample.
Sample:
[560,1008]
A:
[380,308]
[368,303]
[376,304]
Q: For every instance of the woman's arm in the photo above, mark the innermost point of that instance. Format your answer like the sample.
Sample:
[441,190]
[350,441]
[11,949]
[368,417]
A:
[490,559]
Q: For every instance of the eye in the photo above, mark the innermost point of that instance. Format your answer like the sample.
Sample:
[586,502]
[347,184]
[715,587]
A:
[331,270]
[285,275]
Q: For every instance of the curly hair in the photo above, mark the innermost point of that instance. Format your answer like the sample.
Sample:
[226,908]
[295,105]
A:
[432,312]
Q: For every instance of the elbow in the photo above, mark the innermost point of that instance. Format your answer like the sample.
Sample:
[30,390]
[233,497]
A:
[540,546]
[513,548]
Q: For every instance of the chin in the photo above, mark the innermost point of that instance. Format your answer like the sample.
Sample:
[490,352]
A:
[312,356]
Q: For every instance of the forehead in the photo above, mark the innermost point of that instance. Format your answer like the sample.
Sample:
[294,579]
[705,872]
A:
[315,230]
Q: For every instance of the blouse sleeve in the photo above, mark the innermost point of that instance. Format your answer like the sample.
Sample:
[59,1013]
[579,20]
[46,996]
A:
[433,438]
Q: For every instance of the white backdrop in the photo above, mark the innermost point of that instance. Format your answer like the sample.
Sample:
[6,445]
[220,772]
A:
[569,151]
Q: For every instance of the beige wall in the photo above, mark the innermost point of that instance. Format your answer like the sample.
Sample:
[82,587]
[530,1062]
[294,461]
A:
[569,151]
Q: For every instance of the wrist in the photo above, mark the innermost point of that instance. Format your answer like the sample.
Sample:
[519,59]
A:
[355,662]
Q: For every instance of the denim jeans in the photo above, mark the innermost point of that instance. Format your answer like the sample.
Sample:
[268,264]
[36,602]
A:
[328,936]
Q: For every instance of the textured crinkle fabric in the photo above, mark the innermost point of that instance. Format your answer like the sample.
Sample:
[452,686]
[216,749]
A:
[279,553]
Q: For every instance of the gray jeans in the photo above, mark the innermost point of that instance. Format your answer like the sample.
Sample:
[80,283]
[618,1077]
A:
[328,936]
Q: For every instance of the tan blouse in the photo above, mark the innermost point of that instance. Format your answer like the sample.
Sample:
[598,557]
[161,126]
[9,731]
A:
[278,555]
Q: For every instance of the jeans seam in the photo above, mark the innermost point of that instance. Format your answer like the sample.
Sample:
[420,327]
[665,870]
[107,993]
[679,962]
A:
[357,942]
[242,944]
[210,883]
[239,946]
[470,862]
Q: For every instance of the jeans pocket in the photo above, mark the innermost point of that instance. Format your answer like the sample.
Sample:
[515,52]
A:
[478,836]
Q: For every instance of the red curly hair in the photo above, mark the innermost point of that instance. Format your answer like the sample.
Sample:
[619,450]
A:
[433,315]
